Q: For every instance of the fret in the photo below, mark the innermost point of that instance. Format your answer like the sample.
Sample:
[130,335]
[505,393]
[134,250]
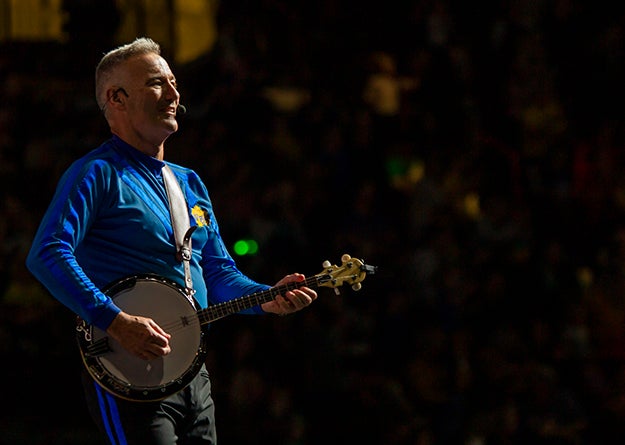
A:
[352,270]
[132,378]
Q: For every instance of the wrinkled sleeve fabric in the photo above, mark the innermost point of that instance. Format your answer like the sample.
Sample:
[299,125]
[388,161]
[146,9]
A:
[109,218]
[80,193]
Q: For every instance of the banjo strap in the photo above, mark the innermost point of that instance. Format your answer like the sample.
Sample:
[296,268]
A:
[180,224]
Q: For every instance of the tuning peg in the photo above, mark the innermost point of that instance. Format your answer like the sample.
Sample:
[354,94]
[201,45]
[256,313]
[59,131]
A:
[356,286]
[337,291]
[345,258]
[326,264]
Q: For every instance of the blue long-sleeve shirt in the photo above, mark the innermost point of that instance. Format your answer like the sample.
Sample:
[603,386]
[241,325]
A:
[109,218]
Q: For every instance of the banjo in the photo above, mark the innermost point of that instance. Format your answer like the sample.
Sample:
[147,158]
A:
[131,378]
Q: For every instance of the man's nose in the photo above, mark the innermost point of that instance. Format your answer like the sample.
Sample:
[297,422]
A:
[172,91]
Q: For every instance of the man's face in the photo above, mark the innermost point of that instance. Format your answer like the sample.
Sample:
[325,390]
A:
[152,97]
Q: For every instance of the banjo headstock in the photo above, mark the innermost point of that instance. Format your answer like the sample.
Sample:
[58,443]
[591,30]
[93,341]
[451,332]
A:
[352,271]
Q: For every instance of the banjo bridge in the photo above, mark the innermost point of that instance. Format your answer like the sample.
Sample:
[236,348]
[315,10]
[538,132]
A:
[173,307]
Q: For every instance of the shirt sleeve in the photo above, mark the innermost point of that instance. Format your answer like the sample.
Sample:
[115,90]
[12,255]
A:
[52,259]
[224,281]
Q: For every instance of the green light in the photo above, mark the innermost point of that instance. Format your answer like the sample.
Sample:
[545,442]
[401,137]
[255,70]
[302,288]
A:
[252,247]
[240,248]
[245,247]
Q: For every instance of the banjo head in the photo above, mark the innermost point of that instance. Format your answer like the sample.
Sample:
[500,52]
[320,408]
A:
[128,376]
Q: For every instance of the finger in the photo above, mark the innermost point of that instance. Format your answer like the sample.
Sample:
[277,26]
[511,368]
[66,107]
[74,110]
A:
[310,293]
[286,306]
[286,303]
[160,331]
[294,277]
[159,340]
[153,351]
[300,298]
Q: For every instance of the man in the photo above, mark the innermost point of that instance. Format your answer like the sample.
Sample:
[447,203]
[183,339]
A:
[110,218]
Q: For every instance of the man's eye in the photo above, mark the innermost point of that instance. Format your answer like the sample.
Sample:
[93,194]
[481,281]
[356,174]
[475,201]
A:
[160,83]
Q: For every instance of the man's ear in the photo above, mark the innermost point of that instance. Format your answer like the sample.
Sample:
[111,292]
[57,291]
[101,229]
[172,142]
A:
[115,97]
[114,94]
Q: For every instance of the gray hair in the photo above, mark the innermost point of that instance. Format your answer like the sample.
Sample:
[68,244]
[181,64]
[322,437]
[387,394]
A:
[112,59]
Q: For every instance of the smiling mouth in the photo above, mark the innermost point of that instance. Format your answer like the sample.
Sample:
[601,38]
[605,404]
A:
[169,111]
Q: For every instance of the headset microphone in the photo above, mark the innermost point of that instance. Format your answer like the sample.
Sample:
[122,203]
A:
[181,109]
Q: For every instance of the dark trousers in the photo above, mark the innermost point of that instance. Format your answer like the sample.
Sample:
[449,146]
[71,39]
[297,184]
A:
[185,418]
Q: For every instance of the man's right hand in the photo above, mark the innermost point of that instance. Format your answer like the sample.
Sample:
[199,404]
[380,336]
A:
[141,336]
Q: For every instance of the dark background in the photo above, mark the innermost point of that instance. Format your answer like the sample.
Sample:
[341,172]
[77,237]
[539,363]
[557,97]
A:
[490,193]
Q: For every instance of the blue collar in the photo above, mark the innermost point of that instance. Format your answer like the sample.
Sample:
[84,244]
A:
[155,165]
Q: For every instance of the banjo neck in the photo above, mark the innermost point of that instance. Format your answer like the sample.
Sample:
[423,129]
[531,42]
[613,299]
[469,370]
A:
[220,310]
[351,271]
[131,378]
